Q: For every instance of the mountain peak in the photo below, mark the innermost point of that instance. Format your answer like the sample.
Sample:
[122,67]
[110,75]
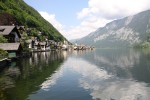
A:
[122,32]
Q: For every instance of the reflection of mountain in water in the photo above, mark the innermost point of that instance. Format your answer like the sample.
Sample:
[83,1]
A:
[118,62]
[122,63]
[114,75]
[99,75]
[114,89]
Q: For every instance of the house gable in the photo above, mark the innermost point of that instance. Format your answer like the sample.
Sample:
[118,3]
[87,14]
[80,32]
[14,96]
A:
[10,32]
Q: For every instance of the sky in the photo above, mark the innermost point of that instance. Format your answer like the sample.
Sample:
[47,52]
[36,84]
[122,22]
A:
[78,18]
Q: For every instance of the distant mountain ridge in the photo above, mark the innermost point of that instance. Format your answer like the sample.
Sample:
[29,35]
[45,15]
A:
[121,33]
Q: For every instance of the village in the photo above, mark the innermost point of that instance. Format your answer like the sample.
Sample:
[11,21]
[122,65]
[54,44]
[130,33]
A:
[18,45]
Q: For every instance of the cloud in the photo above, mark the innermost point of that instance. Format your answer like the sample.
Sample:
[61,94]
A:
[52,19]
[86,26]
[83,13]
[97,14]
[73,32]
[113,9]
[100,12]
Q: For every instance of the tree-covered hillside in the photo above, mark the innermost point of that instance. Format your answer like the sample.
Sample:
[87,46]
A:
[19,13]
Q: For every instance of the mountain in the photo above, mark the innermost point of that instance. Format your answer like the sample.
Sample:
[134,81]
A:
[128,31]
[74,40]
[19,13]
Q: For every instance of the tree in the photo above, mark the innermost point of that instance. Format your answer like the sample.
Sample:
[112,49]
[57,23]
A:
[2,39]
[3,53]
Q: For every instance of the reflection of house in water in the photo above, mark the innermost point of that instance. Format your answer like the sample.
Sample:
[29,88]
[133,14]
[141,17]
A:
[39,57]
[35,58]
[7,79]
[56,55]
[46,57]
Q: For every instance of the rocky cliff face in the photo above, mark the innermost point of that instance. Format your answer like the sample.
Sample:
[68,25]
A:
[123,32]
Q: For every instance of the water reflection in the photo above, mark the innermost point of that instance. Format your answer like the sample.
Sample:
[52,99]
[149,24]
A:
[25,76]
[117,89]
[104,74]
[50,81]
[116,62]
[128,76]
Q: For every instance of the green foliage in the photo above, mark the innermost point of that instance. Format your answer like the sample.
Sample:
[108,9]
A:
[24,36]
[29,17]
[145,44]
[25,46]
[34,32]
[3,53]
[2,39]
[24,43]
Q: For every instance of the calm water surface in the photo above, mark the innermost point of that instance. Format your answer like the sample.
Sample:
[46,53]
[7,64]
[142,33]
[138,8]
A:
[103,74]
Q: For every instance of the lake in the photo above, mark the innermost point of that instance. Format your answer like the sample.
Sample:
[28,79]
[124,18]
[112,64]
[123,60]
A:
[101,74]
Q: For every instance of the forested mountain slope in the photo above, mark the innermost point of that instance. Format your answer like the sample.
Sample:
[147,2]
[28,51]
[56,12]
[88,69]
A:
[19,13]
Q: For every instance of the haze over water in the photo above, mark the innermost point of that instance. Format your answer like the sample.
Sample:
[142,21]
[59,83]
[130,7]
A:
[103,74]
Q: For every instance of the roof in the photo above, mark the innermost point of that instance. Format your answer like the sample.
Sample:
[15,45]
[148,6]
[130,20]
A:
[42,43]
[6,30]
[9,46]
[21,27]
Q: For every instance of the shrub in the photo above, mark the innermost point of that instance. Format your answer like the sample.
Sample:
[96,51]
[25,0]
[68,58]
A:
[2,39]
[3,53]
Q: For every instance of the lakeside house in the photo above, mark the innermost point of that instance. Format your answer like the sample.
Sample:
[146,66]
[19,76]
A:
[16,33]
[21,29]
[41,46]
[13,49]
[11,33]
